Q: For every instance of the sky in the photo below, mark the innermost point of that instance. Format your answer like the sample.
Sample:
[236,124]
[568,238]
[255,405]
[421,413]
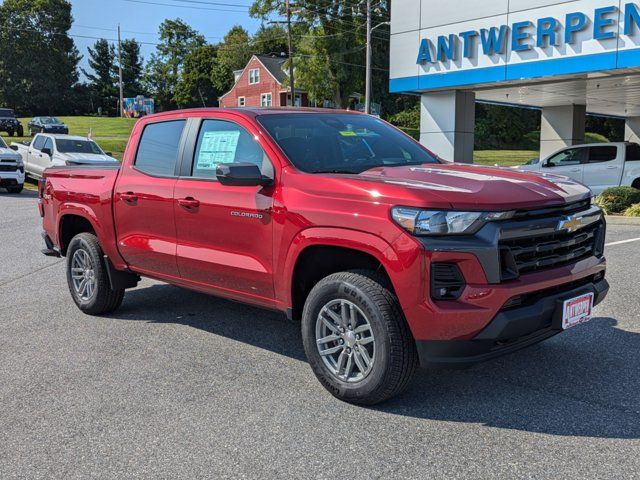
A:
[140,19]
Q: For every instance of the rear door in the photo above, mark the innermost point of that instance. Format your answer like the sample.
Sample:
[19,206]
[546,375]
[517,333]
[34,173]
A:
[603,167]
[143,201]
[568,162]
[225,233]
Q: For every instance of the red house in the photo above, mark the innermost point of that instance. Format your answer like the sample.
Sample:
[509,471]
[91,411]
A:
[262,84]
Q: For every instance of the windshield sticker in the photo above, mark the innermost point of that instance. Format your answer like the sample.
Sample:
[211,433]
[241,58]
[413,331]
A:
[348,133]
[216,148]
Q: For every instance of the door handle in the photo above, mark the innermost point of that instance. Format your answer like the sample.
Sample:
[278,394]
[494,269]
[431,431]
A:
[612,167]
[575,171]
[189,203]
[129,197]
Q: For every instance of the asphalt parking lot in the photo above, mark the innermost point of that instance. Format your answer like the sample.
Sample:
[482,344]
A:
[181,385]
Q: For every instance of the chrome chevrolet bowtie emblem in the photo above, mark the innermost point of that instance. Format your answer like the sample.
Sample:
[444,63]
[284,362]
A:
[571,224]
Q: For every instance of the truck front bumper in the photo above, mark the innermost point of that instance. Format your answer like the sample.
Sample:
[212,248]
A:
[11,179]
[539,317]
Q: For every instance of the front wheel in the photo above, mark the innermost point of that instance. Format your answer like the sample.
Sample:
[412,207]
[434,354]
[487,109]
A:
[20,131]
[87,277]
[356,338]
[17,189]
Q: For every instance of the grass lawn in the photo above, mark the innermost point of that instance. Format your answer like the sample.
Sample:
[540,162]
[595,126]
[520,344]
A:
[112,135]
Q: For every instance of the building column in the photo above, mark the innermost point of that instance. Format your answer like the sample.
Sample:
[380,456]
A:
[561,127]
[447,124]
[632,130]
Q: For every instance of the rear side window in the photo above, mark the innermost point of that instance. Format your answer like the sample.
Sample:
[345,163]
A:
[158,148]
[633,152]
[602,154]
[38,143]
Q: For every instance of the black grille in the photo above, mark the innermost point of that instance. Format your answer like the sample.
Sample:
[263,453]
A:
[540,252]
[8,168]
[553,211]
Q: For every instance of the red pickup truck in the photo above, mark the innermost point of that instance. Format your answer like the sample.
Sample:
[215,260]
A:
[390,257]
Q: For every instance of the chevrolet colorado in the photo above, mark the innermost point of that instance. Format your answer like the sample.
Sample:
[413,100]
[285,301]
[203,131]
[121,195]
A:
[390,257]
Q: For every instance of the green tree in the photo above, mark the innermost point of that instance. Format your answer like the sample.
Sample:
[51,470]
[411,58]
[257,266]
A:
[132,68]
[38,65]
[162,73]
[271,40]
[102,78]
[196,87]
[234,53]
[336,53]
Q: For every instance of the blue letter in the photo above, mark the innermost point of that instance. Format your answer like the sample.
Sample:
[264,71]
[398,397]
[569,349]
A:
[424,54]
[547,28]
[519,35]
[631,17]
[600,23]
[468,42]
[447,50]
[574,26]
[490,42]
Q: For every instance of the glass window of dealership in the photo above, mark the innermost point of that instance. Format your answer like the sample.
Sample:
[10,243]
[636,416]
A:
[568,58]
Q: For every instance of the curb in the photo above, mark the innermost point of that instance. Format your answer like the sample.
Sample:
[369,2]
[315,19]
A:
[616,220]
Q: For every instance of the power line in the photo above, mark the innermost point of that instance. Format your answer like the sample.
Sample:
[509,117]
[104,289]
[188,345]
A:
[148,2]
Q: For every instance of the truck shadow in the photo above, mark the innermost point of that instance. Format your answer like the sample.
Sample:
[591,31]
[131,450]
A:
[585,382]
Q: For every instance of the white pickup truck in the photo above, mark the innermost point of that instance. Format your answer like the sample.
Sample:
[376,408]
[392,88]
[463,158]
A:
[49,150]
[598,165]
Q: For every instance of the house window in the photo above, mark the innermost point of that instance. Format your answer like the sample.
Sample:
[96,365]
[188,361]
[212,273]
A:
[266,100]
[241,101]
[298,100]
[254,76]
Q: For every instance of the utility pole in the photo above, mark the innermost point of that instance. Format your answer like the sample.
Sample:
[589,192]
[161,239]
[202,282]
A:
[367,87]
[291,80]
[120,73]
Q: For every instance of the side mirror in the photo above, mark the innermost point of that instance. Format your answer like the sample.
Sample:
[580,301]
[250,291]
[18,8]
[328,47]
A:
[13,147]
[109,154]
[241,175]
[47,151]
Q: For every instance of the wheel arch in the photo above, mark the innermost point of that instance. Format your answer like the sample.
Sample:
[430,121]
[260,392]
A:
[319,252]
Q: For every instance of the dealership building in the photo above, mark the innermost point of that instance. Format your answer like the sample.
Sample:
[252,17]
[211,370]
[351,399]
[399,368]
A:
[568,58]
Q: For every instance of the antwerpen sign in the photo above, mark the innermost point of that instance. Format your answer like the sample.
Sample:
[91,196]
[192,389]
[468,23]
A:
[523,36]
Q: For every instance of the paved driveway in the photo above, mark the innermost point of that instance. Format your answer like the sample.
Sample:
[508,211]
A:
[181,385]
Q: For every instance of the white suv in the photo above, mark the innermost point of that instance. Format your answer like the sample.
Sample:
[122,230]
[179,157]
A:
[11,169]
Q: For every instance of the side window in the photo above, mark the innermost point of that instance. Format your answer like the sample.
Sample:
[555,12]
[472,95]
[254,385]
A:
[633,152]
[566,158]
[602,154]
[226,142]
[38,143]
[48,144]
[158,148]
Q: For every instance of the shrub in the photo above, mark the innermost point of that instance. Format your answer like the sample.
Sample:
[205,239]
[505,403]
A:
[618,199]
[595,138]
[633,210]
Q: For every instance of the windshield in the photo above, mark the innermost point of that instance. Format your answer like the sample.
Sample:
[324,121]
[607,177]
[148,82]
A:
[50,120]
[2,143]
[78,146]
[7,112]
[342,143]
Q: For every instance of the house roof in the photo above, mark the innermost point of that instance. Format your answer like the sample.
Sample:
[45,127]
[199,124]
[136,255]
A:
[275,67]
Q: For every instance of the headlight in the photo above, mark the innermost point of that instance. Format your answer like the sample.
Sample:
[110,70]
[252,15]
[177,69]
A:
[441,222]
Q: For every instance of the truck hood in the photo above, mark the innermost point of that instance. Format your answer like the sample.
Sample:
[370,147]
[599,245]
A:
[85,158]
[8,154]
[476,187]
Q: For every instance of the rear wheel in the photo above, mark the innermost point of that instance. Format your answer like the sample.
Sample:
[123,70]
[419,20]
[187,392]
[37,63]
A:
[636,183]
[87,277]
[11,133]
[20,131]
[356,338]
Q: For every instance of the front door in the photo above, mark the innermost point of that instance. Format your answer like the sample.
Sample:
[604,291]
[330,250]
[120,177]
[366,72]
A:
[38,161]
[143,202]
[568,162]
[225,232]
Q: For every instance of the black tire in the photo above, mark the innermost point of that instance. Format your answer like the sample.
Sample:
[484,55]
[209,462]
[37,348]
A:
[21,131]
[17,189]
[11,133]
[636,183]
[395,358]
[103,299]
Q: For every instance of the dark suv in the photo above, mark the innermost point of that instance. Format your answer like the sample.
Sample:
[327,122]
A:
[9,123]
